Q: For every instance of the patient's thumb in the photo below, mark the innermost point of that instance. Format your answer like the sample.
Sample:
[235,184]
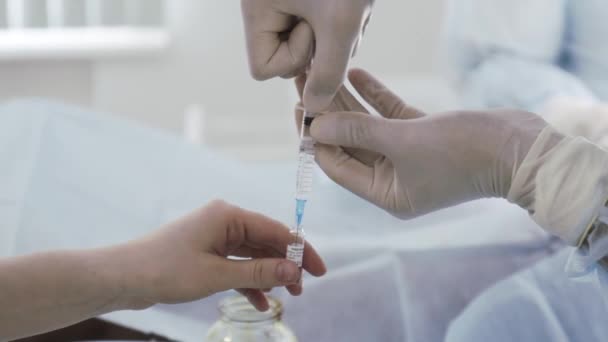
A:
[350,129]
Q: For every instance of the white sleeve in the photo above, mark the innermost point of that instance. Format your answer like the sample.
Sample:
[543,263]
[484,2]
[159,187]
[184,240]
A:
[563,185]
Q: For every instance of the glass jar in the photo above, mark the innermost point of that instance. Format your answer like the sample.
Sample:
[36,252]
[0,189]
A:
[241,322]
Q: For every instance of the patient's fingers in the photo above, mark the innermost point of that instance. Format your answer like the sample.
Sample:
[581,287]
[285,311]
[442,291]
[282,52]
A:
[295,289]
[256,298]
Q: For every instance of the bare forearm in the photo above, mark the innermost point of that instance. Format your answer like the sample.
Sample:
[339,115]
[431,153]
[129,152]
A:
[47,291]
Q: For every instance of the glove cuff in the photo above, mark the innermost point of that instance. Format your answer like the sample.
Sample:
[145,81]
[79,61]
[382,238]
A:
[563,186]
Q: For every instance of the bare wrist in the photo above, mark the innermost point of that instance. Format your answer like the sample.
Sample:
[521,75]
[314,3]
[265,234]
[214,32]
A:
[120,276]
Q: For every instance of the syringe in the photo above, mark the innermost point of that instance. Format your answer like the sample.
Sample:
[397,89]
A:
[306,163]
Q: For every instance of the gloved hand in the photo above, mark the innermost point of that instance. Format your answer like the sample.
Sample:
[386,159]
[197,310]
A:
[283,36]
[578,117]
[415,163]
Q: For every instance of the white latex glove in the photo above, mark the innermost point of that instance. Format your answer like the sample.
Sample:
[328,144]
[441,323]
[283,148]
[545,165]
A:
[284,35]
[578,117]
[419,163]
[416,163]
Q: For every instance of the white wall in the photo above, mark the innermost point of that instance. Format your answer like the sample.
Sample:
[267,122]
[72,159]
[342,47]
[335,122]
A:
[403,37]
[69,81]
[206,64]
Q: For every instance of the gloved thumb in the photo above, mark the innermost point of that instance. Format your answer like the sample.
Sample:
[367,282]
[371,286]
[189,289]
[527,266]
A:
[257,273]
[382,99]
[351,129]
[328,70]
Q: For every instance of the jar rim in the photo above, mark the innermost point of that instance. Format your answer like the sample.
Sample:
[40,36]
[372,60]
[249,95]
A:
[238,309]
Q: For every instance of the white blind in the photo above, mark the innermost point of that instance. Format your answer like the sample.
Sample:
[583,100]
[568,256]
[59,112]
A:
[80,28]
[19,14]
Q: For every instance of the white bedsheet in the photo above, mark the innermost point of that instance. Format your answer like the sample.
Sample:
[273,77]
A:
[71,178]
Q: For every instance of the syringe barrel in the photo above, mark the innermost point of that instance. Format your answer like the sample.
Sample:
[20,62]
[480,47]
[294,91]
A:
[306,164]
[306,159]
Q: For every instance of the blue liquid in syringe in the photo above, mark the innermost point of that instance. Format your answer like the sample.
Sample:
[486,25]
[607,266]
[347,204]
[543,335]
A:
[300,204]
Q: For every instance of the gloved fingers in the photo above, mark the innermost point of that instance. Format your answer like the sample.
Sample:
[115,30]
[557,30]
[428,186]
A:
[327,73]
[296,52]
[270,55]
[366,157]
[380,97]
[295,72]
[362,35]
[343,101]
[299,113]
[300,82]
[346,171]
[366,25]
[350,129]
[356,47]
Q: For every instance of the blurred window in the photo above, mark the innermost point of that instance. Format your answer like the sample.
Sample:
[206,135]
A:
[38,29]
